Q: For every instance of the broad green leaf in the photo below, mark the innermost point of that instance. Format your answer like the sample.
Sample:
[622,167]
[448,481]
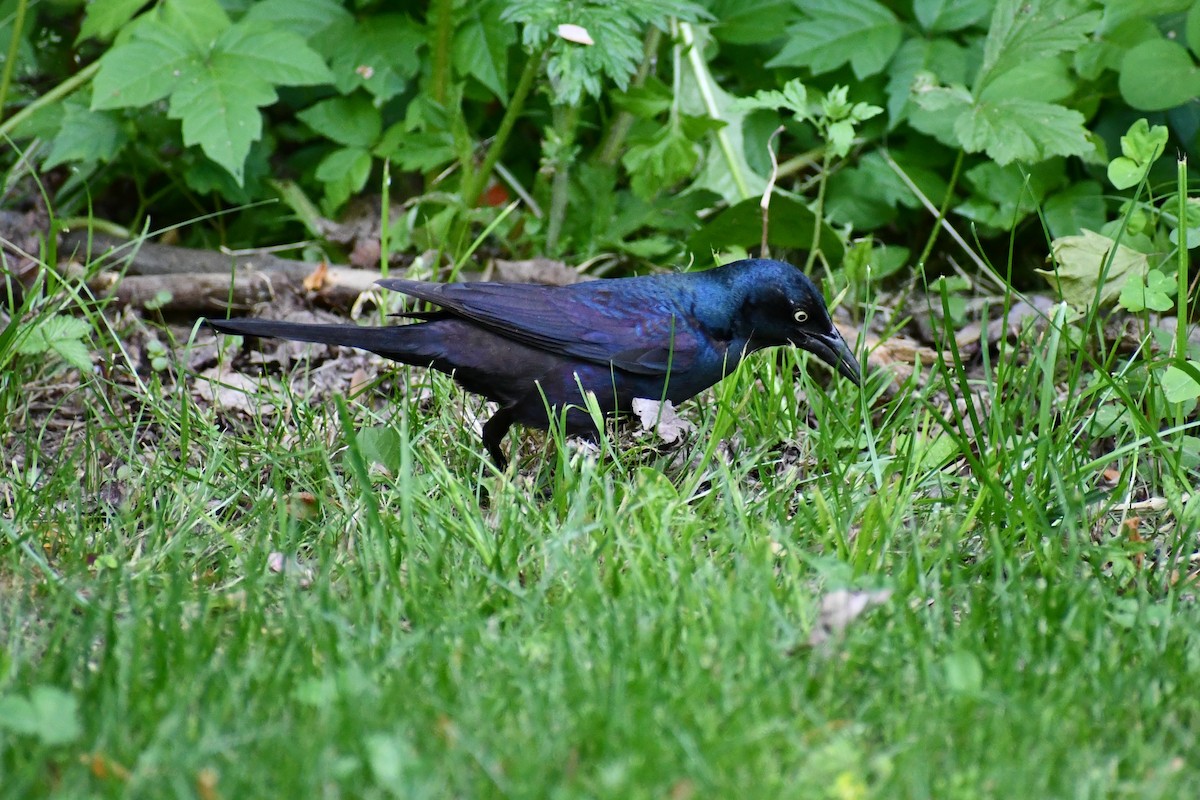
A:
[862,33]
[344,172]
[938,110]
[481,46]
[304,17]
[751,21]
[1027,130]
[87,136]
[416,151]
[1157,75]
[275,56]
[963,673]
[1046,79]
[380,54]
[949,15]
[1001,197]
[1153,291]
[1080,206]
[1106,52]
[1080,264]
[143,71]
[49,713]
[1180,386]
[793,97]
[103,18]
[943,59]
[219,111]
[351,120]
[1192,29]
[198,21]
[660,163]
[740,225]
[1028,30]
[646,101]
[1140,148]
[380,444]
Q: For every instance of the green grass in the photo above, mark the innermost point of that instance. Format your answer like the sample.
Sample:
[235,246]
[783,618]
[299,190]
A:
[629,625]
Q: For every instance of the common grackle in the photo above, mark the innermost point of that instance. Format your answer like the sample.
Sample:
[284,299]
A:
[528,346]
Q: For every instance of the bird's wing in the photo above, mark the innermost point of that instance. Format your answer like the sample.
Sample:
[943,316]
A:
[624,325]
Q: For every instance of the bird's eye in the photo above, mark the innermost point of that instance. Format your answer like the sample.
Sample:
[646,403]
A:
[800,315]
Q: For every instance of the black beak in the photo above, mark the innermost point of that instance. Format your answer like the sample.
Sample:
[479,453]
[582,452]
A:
[832,349]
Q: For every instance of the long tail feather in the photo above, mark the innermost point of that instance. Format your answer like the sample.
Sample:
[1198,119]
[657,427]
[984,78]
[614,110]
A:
[406,343]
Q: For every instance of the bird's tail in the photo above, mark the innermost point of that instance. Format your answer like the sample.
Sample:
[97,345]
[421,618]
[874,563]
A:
[405,343]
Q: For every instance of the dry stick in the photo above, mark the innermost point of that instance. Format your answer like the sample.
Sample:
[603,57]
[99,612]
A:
[765,203]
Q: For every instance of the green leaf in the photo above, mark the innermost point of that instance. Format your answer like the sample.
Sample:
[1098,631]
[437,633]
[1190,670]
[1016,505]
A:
[1029,30]
[1047,80]
[1140,148]
[197,21]
[862,33]
[1157,75]
[751,21]
[380,54]
[103,18]
[1028,130]
[1079,206]
[48,713]
[793,97]
[938,110]
[481,46]
[219,110]
[86,136]
[1180,386]
[380,444]
[275,56]
[344,172]
[949,15]
[144,70]
[1080,264]
[1192,29]
[740,225]
[944,59]
[352,120]
[1154,292]
[304,17]
[660,163]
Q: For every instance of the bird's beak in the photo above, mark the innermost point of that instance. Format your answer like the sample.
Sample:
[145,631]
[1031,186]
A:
[832,349]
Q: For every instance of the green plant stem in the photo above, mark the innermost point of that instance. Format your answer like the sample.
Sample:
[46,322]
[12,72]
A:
[49,98]
[1181,276]
[442,13]
[610,147]
[946,200]
[818,213]
[13,45]
[566,119]
[475,182]
[705,84]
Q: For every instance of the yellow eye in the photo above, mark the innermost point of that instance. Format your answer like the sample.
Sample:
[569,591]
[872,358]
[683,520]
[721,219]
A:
[800,315]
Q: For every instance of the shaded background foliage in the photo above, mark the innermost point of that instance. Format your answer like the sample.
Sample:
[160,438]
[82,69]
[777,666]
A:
[158,114]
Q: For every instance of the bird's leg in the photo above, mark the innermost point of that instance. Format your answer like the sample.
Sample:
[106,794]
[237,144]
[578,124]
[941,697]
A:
[493,433]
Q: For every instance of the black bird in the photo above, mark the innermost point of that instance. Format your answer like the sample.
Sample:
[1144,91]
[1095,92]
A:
[525,346]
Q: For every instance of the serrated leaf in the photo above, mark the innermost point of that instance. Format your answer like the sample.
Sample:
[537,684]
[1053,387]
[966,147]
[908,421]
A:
[343,172]
[1027,130]
[862,33]
[1046,79]
[1157,75]
[481,46]
[198,21]
[1028,30]
[661,162]
[380,54]
[751,21]
[1080,264]
[938,110]
[86,136]
[304,17]
[352,120]
[943,59]
[103,18]
[143,71]
[949,15]
[74,352]
[219,111]
[276,56]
